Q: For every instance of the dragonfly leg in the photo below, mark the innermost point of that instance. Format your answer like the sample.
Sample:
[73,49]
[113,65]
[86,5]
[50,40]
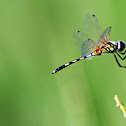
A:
[123,52]
[118,62]
[120,56]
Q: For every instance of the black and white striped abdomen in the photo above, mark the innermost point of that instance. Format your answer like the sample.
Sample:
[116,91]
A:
[69,63]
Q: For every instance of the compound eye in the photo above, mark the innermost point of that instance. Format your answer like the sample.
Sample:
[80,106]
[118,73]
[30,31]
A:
[121,45]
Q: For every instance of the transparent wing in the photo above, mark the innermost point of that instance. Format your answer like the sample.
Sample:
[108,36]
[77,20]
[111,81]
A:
[83,43]
[105,36]
[92,27]
[88,47]
[79,38]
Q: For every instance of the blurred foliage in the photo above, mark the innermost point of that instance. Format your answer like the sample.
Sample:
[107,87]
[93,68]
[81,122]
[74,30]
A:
[36,37]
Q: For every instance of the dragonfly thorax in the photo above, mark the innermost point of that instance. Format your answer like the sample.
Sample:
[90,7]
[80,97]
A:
[108,47]
[120,45]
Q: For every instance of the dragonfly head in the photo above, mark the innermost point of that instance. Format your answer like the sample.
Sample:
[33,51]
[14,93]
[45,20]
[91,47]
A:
[120,45]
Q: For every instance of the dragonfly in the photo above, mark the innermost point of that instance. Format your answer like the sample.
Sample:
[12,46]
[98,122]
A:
[97,44]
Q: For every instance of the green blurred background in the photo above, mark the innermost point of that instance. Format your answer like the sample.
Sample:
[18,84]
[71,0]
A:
[36,36]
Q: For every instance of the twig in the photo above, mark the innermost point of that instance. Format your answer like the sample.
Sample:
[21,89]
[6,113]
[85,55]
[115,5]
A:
[119,104]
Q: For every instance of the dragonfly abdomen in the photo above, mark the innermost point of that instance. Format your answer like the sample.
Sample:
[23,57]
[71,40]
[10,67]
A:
[67,64]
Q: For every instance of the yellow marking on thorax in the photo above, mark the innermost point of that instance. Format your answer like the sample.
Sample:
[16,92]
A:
[107,48]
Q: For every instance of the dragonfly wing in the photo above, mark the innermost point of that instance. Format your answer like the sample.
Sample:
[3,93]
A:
[105,36]
[92,27]
[83,43]
[79,38]
[88,47]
